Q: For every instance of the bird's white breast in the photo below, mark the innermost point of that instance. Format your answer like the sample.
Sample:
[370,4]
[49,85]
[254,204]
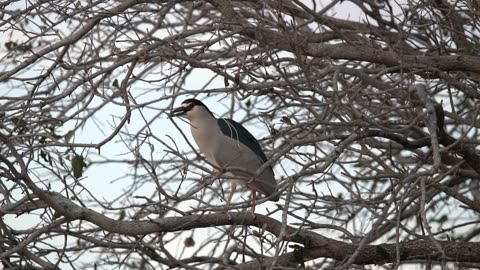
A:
[207,135]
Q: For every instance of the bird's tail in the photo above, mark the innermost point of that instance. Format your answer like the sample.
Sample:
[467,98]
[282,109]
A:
[275,198]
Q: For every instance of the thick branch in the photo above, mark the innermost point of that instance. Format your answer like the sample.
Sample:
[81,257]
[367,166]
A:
[374,254]
[294,41]
[315,245]
[465,150]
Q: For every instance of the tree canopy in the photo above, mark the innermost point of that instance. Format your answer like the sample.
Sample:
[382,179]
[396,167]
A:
[367,110]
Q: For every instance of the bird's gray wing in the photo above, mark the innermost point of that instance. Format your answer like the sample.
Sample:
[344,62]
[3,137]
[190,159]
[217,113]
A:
[237,132]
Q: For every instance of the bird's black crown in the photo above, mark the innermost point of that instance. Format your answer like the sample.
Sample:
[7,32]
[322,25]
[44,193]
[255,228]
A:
[195,102]
[188,105]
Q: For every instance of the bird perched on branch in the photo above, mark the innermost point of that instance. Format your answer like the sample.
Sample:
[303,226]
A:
[229,146]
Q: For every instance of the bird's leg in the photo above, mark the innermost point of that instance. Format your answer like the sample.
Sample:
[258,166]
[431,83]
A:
[229,199]
[254,199]
[234,187]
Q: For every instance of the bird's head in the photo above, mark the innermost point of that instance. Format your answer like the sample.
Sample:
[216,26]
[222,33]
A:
[191,108]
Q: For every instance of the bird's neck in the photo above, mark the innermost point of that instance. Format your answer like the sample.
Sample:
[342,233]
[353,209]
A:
[205,131]
[203,125]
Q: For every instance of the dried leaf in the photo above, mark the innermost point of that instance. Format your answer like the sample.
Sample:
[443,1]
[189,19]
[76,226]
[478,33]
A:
[69,135]
[189,242]
[78,164]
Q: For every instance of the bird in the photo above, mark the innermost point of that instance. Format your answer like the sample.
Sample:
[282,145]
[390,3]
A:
[231,147]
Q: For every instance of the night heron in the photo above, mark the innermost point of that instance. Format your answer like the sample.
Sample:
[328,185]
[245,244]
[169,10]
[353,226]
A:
[229,146]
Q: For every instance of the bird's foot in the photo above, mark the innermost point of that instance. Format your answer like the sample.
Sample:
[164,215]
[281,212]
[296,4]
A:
[251,211]
[225,211]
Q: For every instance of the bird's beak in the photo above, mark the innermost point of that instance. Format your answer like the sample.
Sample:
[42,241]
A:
[178,112]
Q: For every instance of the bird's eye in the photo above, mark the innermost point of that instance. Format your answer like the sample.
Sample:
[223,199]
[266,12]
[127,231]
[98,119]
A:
[190,105]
